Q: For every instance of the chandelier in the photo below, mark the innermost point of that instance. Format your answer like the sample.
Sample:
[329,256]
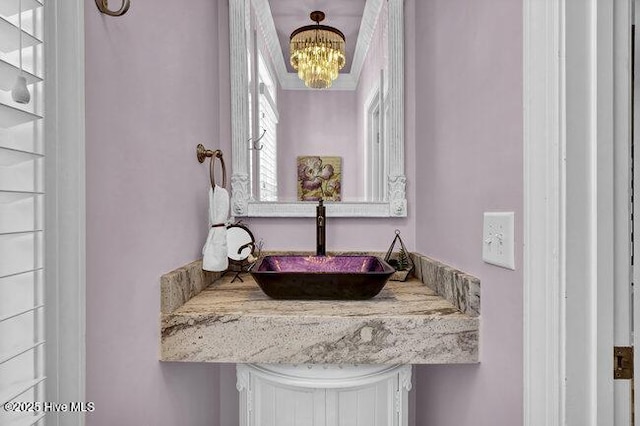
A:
[317,53]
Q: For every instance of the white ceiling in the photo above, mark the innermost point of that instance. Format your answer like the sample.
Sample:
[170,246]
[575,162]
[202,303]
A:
[345,15]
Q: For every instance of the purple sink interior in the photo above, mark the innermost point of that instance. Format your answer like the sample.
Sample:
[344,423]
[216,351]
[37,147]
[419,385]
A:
[321,277]
[333,264]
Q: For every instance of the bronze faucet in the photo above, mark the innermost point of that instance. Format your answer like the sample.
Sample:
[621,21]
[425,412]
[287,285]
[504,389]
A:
[321,228]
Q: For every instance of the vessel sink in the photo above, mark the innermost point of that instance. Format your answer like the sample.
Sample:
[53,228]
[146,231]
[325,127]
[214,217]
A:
[321,277]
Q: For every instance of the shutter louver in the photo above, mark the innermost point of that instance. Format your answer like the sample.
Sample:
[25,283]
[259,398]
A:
[22,343]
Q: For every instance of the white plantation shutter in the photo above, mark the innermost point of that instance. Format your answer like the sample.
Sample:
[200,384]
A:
[21,213]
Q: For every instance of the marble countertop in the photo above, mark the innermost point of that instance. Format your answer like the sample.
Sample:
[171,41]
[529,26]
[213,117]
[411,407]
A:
[407,323]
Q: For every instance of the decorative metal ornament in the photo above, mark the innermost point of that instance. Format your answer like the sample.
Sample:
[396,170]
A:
[399,258]
[243,250]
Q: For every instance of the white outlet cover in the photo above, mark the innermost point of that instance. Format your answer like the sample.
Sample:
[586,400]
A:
[497,239]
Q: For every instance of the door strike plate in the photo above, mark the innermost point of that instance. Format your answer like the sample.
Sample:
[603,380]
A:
[623,362]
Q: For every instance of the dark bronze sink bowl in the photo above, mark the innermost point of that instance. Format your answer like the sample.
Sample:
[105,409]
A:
[321,277]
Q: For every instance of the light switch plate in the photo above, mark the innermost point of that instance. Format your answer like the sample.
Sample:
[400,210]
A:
[497,239]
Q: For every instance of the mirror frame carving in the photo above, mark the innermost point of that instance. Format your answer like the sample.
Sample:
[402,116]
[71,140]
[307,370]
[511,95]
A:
[241,202]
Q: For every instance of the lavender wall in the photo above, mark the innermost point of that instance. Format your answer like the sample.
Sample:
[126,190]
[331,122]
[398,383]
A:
[146,111]
[151,95]
[469,109]
[318,123]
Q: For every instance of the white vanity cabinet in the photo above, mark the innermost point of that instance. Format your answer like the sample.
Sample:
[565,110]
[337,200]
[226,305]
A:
[323,395]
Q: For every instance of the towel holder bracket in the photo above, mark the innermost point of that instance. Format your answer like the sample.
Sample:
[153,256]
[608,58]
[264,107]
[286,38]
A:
[202,153]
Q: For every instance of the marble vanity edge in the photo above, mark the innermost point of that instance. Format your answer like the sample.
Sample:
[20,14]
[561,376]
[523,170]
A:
[333,340]
[180,285]
[459,288]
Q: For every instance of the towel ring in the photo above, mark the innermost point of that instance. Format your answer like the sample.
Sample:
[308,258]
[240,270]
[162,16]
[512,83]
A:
[202,153]
[103,6]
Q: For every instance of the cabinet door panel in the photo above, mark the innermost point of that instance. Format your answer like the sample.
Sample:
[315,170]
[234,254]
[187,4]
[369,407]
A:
[289,396]
[365,406]
[276,405]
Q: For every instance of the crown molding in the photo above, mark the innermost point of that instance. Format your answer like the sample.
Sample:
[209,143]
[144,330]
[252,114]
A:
[370,17]
[264,19]
[290,80]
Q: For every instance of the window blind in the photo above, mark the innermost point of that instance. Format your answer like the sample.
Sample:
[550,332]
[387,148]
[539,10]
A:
[268,153]
[22,302]
[268,121]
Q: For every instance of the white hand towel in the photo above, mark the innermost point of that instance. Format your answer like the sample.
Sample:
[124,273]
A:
[214,252]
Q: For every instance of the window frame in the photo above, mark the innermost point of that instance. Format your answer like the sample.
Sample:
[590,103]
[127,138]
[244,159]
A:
[65,211]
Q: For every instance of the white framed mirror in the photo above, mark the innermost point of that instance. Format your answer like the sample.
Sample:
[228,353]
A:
[363,171]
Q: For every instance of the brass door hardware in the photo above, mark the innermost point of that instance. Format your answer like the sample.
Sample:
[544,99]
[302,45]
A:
[623,362]
[103,6]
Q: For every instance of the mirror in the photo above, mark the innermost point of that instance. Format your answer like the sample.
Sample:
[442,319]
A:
[344,144]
